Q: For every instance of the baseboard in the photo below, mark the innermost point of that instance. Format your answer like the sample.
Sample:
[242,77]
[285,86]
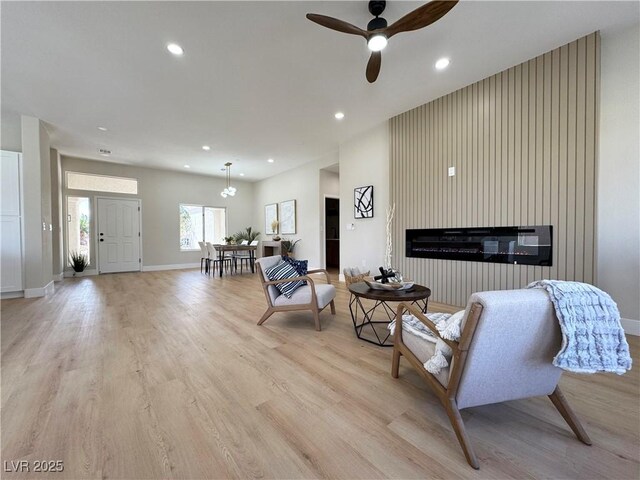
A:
[87,273]
[8,295]
[341,277]
[175,266]
[57,277]
[631,327]
[48,289]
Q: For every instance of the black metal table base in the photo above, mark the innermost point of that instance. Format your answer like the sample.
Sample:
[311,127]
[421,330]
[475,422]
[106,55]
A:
[379,338]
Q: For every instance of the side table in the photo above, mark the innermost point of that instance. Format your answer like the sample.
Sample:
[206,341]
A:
[375,331]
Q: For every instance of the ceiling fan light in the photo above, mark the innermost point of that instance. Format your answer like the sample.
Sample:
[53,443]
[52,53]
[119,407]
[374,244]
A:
[232,190]
[231,194]
[377,43]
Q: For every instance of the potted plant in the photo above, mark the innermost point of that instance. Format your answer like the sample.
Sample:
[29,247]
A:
[288,246]
[247,234]
[78,262]
[229,240]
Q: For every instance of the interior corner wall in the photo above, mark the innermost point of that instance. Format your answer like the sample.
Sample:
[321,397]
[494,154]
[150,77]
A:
[523,142]
[161,193]
[301,184]
[56,214]
[364,160]
[618,246]
[37,206]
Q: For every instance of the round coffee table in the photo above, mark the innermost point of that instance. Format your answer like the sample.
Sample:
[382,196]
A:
[363,318]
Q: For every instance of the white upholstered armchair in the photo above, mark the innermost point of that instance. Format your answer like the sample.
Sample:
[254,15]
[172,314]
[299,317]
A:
[312,296]
[507,343]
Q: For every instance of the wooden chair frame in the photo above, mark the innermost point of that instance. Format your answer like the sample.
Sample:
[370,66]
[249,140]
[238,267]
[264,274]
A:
[447,395]
[313,305]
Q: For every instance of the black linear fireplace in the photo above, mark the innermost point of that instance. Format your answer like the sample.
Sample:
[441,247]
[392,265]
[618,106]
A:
[516,245]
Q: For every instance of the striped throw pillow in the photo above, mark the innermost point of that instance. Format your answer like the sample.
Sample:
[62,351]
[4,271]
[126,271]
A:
[281,271]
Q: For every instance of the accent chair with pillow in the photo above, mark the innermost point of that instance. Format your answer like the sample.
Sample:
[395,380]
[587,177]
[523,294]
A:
[507,343]
[286,290]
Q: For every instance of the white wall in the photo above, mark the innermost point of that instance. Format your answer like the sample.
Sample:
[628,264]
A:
[161,192]
[37,206]
[301,184]
[618,223]
[364,160]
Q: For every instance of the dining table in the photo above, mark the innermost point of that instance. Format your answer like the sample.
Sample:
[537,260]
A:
[222,249]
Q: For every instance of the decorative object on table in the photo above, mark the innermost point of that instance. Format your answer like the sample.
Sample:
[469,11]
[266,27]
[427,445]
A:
[354,275]
[229,191]
[288,246]
[271,219]
[385,275]
[389,243]
[229,240]
[288,217]
[363,202]
[247,235]
[78,262]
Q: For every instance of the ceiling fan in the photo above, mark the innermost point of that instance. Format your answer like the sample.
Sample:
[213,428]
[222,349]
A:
[378,33]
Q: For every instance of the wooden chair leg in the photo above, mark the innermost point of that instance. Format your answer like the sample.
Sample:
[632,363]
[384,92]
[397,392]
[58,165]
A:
[316,318]
[266,315]
[560,402]
[333,307]
[395,364]
[458,426]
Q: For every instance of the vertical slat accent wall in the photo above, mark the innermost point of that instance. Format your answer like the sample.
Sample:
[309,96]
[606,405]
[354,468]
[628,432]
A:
[524,145]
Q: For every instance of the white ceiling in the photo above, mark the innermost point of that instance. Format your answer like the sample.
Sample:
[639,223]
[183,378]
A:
[257,79]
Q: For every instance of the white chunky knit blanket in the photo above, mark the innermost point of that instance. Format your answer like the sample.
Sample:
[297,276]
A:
[592,337]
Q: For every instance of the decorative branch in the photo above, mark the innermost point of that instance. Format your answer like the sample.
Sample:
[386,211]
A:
[389,246]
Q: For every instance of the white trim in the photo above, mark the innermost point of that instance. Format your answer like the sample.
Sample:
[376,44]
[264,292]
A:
[8,295]
[57,277]
[48,289]
[341,278]
[174,266]
[631,326]
[86,273]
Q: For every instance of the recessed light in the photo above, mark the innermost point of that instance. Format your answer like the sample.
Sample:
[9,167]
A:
[175,49]
[339,115]
[242,174]
[442,63]
[187,166]
[206,147]
[271,160]
[102,129]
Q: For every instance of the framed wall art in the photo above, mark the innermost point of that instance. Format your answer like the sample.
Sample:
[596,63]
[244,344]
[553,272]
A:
[288,217]
[363,202]
[270,216]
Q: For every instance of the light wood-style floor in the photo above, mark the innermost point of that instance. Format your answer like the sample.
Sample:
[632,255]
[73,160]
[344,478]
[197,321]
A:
[166,375]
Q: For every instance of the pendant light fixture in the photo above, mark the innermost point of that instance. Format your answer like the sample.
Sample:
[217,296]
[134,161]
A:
[229,191]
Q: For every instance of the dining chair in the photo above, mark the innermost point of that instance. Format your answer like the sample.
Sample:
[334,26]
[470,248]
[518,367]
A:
[204,257]
[214,258]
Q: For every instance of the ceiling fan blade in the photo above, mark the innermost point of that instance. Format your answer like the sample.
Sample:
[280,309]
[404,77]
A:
[373,66]
[421,17]
[335,24]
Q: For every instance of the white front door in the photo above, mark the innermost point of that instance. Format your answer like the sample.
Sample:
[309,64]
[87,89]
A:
[118,235]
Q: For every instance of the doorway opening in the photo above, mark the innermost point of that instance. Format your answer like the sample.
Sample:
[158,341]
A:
[332,233]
